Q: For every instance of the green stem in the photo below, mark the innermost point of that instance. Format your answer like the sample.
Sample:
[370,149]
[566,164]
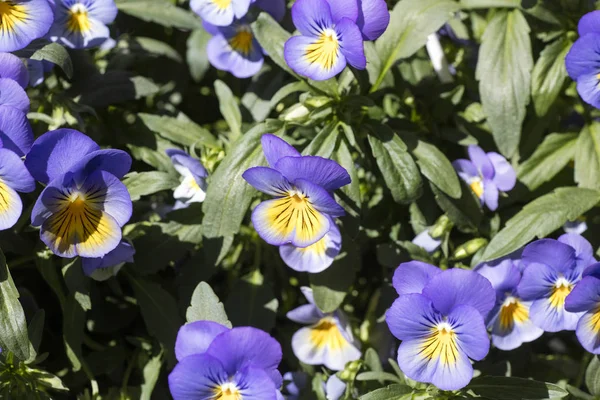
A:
[128,371]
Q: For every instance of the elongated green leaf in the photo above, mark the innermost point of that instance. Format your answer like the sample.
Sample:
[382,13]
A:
[392,392]
[331,286]
[592,376]
[551,156]
[55,54]
[464,212]
[186,133]
[324,143]
[410,24]
[144,183]
[156,47]
[206,306]
[549,74]
[196,54]
[229,108]
[541,217]
[162,12]
[506,388]
[587,157]
[504,75]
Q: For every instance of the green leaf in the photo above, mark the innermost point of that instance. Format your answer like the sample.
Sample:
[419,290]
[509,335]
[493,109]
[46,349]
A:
[228,195]
[151,373]
[55,54]
[550,157]
[13,326]
[156,47]
[411,22]
[592,376]
[392,392]
[35,329]
[505,388]
[144,183]
[587,157]
[504,74]
[46,379]
[377,376]
[162,12]
[331,286]
[490,3]
[541,217]
[196,54]
[206,306]
[324,143]
[229,108]
[252,303]
[343,156]
[549,74]
[186,133]
[464,212]
[397,166]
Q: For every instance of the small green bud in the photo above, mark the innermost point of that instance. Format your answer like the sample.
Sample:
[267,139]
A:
[317,102]
[441,226]
[469,248]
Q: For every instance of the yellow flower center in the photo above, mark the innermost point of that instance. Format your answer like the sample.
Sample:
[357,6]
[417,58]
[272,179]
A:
[78,19]
[242,41]
[512,311]
[222,4]
[10,15]
[326,333]
[560,291]
[325,50]
[227,391]
[594,322]
[477,187]
[441,343]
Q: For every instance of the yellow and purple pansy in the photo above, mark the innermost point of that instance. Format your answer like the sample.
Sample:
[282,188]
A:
[81,24]
[327,341]
[215,362]
[552,268]
[22,21]
[509,320]
[193,183]
[14,178]
[84,204]
[439,316]
[300,214]
[585,298]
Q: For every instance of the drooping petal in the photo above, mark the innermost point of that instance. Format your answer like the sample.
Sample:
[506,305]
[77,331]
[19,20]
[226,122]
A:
[504,277]
[321,171]
[305,314]
[319,198]
[311,16]
[103,268]
[13,172]
[335,388]
[314,258]
[15,131]
[584,253]
[589,23]
[373,18]
[505,176]
[22,22]
[490,195]
[196,337]
[587,87]
[557,255]
[11,67]
[267,180]
[343,9]
[425,241]
[196,376]
[55,152]
[481,161]
[411,277]
[13,95]
[10,206]
[471,334]
[456,287]
[585,296]
[276,148]
[584,56]
[588,331]
[465,169]
[351,43]
[181,159]
[411,316]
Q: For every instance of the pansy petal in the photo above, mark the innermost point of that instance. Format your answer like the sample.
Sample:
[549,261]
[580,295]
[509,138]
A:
[14,173]
[102,268]
[15,131]
[320,198]
[351,43]
[471,333]
[588,88]
[588,331]
[592,270]
[490,195]
[514,327]
[105,192]
[23,22]
[196,376]
[321,171]
[343,9]
[276,8]
[267,180]
[465,169]
[196,337]
[373,18]
[411,315]
[104,11]
[11,67]
[583,57]
[583,249]
[209,11]
[55,152]
[116,162]
[589,23]
[481,161]
[316,257]
[243,61]
[335,388]
[537,281]
[411,277]
[10,206]
[13,95]
[552,317]
[504,277]
[557,255]
[276,148]
[255,384]
[310,16]
[310,57]
[180,158]
[240,7]
[305,314]
[505,176]
[460,287]
[88,32]
[585,296]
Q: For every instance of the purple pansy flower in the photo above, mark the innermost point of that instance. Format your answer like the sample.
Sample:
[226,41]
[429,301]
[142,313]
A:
[583,59]
[12,67]
[328,340]
[80,24]
[509,319]
[101,269]
[220,12]
[552,269]
[193,185]
[22,21]
[84,205]
[218,362]
[329,38]
[486,174]
[302,187]
[585,298]
[14,178]
[439,317]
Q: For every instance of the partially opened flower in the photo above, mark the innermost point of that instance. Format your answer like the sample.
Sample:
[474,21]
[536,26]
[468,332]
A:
[316,257]
[102,268]
[22,21]
[234,49]
[443,327]
[84,205]
[583,58]
[80,24]
[428,243]
[12,67]
[552,269]
[579,226]
[220,363]
[509,319]
[220,12]
[486,174]
[329,38]
[585,298]
[301,186]
[193,184]
[328,340]
[14,178]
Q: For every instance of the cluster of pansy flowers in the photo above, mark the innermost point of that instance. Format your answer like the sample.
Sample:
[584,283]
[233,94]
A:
[443,317]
